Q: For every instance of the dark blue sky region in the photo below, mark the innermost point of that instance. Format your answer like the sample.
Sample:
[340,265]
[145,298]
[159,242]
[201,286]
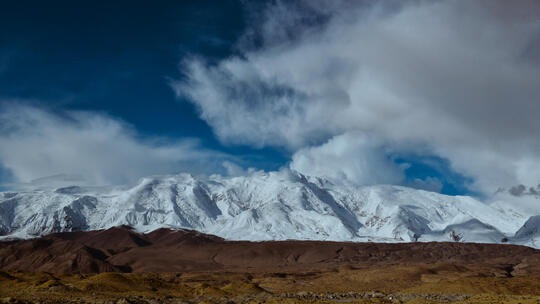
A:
[118,57]
[113,56]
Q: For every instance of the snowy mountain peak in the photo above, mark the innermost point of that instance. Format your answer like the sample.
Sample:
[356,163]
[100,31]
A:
[263,206]
[529,233]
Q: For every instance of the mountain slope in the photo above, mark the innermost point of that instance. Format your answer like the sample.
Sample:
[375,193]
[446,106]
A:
[529,233]
[261,206]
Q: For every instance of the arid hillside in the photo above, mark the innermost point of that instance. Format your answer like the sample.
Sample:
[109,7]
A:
[120,249]
[169,266]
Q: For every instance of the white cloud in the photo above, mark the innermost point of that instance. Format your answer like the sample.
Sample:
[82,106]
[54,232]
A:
[349,157]
[233,169]
[93,147]
[458,79]
[429,184]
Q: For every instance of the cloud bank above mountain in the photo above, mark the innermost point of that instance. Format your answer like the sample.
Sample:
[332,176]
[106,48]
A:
[344,85]
[81,147]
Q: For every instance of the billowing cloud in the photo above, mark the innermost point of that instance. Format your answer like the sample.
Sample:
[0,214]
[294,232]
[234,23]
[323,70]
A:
[349,157]
[429,183]
[92,148]
[455,79]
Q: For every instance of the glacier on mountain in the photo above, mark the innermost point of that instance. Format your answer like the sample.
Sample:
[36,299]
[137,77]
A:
[266,206]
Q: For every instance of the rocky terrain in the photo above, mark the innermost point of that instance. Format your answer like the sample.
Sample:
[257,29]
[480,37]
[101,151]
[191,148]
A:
[120,265]
[276,237]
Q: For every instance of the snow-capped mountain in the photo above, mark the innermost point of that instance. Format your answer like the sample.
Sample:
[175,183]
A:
[266,206]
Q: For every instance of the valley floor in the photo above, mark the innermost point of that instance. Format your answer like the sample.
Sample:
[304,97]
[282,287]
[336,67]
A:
[411,284]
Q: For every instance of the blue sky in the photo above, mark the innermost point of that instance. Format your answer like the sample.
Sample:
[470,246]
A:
[136,63]
[113,57]
[117,58]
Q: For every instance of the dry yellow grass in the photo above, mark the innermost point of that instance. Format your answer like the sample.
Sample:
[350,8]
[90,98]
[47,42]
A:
[398,284]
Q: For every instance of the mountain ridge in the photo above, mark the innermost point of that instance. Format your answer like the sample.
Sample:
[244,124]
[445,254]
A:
[264,206]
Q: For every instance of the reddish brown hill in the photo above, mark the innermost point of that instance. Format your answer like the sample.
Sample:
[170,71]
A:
[122,249]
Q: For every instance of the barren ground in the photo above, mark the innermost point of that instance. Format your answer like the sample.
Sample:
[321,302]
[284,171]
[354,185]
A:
[121,266]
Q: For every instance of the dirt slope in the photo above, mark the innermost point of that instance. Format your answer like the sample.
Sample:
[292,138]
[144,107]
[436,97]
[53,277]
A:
[121,249]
